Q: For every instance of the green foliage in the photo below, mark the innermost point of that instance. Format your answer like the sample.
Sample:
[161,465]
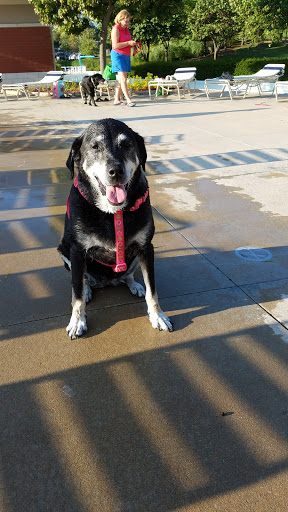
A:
[73,17]
[238,63]
[154,30]
[214,20]
[91,64]
[209,21]
[242,62]
[173,27]
[276,12]
[184,50]
[178,49]
[87,42]
[71,86]
[147,30]
[140,83]
[67,42]
[157,53]
[248,66]
[156,9]
[251,19]
[64,14]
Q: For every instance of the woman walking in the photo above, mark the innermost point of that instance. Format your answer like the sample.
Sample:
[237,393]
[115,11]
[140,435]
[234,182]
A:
[120,55]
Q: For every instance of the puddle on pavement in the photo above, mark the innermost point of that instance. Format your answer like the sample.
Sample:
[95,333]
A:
[34,177]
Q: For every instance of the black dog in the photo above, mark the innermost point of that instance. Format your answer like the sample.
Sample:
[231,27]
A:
[109,224]
[89,84]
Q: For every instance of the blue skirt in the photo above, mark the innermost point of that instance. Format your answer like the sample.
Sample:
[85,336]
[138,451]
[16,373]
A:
[120,62]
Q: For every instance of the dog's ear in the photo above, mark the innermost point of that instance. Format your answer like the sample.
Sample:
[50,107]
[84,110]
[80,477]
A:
[74,155]
[142,149]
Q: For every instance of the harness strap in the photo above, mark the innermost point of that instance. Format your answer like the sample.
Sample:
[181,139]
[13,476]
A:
[120,244]
[119,230]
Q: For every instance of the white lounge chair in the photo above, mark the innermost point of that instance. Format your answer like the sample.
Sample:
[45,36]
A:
[180,80]
[261,82]
[30,88]
[281,88]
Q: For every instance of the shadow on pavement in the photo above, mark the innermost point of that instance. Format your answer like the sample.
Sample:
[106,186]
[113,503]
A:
[153,431]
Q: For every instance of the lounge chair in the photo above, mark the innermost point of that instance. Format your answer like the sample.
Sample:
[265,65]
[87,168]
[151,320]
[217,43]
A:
[30,88]
[281,88]
[261,82]
[180,80]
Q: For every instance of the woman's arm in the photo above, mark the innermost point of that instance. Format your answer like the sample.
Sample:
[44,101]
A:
[115,40]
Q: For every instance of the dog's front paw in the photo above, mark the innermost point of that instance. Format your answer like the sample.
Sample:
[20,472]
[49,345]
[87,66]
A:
[137,289]
[76,327]
[160,321]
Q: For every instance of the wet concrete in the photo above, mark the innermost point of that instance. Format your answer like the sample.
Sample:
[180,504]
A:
[129,419]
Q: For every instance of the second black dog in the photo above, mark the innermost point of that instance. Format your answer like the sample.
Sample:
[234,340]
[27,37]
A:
[89,84]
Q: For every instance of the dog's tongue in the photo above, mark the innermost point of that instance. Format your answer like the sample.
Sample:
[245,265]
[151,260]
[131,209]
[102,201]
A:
[116,194]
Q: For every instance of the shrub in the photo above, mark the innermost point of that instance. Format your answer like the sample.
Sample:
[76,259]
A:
[184,50]
[71,86]
[157,53]
[91,64]
[140,83]
[208,67]
[249,66]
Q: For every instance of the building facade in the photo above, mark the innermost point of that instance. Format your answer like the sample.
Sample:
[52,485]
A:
[26,46]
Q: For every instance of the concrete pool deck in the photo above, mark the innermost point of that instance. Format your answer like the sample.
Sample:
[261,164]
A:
[126,418]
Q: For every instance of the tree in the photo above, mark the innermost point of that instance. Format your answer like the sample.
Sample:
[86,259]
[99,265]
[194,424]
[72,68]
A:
[147,30]
[215,20]
[161,24]
[173,27]
[73,17]
[251,19]
[67,42]
[276,12]
[87,42]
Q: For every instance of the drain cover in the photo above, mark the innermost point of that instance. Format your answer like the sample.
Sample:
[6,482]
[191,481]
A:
[253,254]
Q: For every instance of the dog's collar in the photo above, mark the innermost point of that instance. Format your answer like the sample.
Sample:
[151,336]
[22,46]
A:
[119,229]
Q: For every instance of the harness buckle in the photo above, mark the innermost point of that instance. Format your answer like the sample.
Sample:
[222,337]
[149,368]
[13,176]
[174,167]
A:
[120,267]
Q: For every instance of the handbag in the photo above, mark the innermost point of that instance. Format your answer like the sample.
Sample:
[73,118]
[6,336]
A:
[107,73]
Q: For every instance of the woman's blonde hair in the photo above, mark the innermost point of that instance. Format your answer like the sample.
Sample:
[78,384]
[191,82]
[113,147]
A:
[122,15]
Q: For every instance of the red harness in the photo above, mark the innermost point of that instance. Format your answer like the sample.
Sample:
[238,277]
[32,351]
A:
[119,230]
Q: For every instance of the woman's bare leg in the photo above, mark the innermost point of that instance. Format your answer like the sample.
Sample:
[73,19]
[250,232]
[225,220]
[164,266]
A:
[117,95]
[123,85]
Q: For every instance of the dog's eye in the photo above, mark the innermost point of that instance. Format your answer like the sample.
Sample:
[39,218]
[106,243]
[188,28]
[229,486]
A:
[125,143]
[95,145]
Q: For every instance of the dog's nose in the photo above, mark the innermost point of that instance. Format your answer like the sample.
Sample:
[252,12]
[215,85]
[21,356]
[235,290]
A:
[116,172]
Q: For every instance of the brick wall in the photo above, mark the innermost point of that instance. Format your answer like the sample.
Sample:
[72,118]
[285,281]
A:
[25,49]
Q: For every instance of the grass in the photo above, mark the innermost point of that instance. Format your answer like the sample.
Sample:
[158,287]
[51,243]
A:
[238,61]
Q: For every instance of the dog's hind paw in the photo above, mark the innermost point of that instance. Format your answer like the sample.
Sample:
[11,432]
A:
[87,293]
[160,321]
[76,327]
[137,289]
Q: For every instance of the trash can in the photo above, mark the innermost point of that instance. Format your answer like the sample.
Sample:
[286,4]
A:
[58,89]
